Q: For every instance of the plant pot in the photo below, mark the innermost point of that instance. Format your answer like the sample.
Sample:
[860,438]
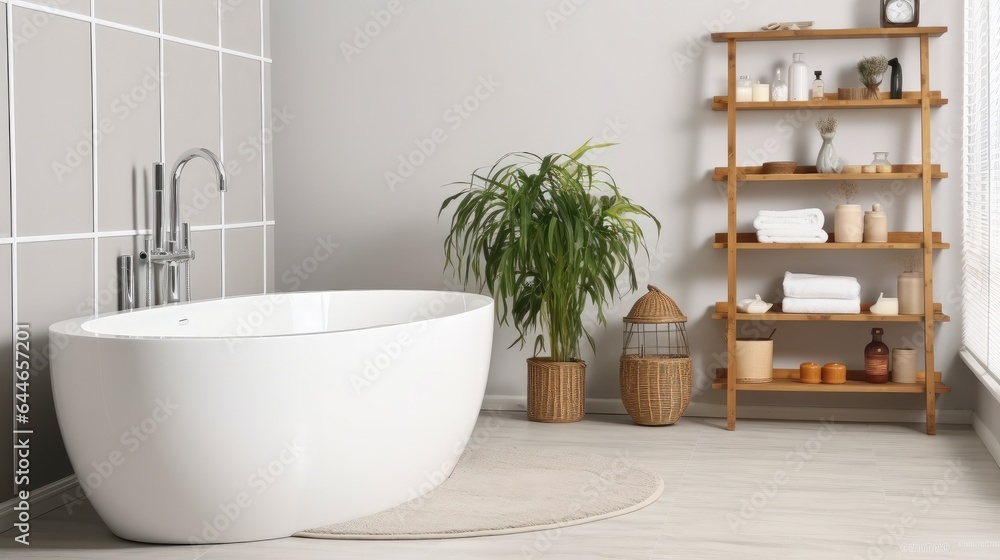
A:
[556,390]
[848,223]
[656,390]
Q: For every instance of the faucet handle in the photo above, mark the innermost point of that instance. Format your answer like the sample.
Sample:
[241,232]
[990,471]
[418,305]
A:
[184,236]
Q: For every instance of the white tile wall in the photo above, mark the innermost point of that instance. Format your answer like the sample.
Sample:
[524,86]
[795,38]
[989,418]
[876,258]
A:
[88,94]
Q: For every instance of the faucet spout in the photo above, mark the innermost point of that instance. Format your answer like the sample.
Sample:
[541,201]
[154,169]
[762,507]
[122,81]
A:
[175,176]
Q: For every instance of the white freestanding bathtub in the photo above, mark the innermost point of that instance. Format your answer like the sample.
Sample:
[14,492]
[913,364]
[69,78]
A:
[256,417]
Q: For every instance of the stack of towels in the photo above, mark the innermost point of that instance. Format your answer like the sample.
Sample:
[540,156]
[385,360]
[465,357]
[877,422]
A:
[790,226]
[813,293]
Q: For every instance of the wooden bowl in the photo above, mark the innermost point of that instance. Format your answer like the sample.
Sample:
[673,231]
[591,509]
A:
[779,167]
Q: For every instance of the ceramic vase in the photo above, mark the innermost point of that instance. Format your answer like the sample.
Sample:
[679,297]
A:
[910,288]
[828,161]
[848,224]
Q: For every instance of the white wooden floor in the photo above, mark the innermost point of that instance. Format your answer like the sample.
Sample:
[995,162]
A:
[768,490]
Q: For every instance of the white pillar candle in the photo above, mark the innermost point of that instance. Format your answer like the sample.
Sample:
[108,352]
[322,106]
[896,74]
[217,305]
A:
[761,92]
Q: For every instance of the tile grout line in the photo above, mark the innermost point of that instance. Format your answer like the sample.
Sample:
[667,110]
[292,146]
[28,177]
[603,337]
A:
[122,233]
[123,27]
[263,150]
[13,213]
[222,156]
[95,198]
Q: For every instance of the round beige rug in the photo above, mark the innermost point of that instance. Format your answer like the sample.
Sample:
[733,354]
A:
[511,490]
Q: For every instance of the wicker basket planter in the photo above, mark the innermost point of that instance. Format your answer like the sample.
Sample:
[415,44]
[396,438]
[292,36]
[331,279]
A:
[656,390]
[556,390]
[655,374]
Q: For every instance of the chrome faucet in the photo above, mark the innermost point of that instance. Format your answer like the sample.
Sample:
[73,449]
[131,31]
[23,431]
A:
[170,249]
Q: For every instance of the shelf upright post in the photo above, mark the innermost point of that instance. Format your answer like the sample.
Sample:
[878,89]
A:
[928,243]
[731,249]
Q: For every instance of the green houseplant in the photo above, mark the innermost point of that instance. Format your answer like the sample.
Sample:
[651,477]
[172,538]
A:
[546,236]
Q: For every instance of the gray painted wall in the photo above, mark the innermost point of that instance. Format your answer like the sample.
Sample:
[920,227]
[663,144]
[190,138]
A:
[406,97]
[72,200]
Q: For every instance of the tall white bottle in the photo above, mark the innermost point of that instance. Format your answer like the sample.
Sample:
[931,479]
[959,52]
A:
[798,79]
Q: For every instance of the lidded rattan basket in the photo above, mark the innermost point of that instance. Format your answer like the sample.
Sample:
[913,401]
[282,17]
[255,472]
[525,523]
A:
[655,375]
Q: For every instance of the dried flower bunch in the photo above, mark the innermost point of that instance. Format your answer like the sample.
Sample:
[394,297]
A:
[910,263]
[845,193]
[827,124]
[872,69]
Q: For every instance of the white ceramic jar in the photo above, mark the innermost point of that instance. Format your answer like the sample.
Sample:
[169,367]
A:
[904,365]
[848,224]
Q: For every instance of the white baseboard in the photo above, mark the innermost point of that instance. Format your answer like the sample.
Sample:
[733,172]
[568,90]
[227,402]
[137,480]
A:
[42,500]
[704,410]
[989,438]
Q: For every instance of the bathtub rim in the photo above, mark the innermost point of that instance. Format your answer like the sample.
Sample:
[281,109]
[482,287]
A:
[74,327]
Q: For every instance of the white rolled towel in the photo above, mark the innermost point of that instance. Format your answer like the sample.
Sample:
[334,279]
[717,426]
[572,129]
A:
[816,286]
[783,235]
[820,305]
[805,218]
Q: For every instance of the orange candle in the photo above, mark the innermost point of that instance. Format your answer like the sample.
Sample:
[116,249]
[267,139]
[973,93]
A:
[809,372]
[834,373]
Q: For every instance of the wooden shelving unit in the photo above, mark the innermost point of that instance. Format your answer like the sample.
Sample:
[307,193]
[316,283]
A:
[775,314]
[927,241]
[808,173]
[896,240]
[787,381]
[911,99]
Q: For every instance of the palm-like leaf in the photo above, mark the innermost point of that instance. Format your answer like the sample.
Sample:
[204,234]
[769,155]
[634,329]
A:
[545,236]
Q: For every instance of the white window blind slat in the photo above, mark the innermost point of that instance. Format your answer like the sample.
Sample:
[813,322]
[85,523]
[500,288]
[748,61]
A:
[981,188]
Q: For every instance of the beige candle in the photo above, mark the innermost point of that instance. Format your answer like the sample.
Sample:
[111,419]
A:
[761,92]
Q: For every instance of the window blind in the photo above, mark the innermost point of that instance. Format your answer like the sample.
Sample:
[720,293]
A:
[981,188]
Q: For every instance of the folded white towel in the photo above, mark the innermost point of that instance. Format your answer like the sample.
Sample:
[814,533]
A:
[815,286]
[806,217]
[782,235]
[820,305]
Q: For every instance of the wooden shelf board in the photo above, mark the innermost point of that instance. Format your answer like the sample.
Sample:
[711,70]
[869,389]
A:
[911,99]
[812,34]
[787,380]
[775,314]
[808,173]
[897,240]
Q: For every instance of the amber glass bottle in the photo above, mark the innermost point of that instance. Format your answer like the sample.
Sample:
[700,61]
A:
[876,359]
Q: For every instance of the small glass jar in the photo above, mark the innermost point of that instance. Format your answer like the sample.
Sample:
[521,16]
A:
[744,89]
[779,89]
[881,162]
